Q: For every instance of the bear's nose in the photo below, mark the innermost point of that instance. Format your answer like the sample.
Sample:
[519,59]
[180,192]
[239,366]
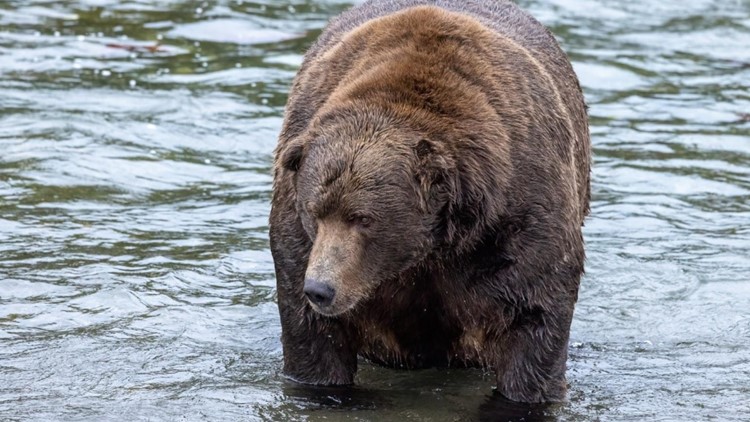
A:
[319,293]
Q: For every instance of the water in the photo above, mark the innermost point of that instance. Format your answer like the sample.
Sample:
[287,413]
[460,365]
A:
[136,281]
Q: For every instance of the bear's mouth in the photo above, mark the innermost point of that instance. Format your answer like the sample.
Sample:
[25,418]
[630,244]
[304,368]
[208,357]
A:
[327,311]
[334,309]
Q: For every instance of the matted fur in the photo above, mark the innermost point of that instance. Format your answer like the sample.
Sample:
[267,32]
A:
[433,169]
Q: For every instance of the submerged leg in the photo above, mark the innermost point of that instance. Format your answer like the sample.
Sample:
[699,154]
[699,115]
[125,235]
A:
[531,364]
[317,349]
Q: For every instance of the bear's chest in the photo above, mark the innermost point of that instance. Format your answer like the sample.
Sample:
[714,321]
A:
[410,330]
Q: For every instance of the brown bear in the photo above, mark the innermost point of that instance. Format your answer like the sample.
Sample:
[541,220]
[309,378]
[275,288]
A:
[430,184]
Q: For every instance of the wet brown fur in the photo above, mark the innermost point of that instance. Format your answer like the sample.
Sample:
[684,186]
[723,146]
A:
[458,130]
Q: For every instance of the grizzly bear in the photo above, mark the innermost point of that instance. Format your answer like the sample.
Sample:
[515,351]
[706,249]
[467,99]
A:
[430,184]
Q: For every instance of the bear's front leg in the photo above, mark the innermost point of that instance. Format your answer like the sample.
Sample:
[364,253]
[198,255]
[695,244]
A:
[530,367]
[317,349]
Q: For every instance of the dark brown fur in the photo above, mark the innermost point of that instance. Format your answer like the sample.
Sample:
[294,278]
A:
[433,169]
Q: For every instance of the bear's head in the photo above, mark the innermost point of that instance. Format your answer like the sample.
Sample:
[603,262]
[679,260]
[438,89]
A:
[370,195]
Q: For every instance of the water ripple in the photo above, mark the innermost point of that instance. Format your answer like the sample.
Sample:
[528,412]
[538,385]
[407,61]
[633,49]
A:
[136,280]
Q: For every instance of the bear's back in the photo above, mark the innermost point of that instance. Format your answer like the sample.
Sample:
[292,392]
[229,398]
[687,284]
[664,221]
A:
[505,19]
[502,16]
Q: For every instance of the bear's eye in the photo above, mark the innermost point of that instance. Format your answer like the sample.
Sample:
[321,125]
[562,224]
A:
[360,220]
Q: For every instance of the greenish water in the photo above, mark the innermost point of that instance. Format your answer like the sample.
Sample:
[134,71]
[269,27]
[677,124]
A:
[136,281]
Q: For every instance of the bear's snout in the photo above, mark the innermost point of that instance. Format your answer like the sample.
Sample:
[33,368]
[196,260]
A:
[318,293]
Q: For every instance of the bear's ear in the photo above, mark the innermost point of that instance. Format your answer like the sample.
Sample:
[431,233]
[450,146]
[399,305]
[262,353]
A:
[291,158]
[433,172]
[424,149]
[433,162]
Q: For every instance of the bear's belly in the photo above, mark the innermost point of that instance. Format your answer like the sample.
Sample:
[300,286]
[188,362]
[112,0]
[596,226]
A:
[416,344]
[409,324]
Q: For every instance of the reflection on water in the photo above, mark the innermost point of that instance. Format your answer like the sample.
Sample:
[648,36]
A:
[135,277]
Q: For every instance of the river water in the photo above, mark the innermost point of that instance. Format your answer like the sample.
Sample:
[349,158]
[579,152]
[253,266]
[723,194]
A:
[136,281]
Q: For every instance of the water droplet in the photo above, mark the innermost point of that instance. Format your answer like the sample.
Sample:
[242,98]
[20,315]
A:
[264,101]
[152,152]
[204,64]
[237,65]
[132,83]
[198,10]
[106,73]
[159,37]
[57,33]
[80,38]
[291,9]
[207,161]
[197,44]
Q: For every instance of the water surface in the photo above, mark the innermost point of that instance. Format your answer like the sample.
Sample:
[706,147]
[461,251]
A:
[136,281]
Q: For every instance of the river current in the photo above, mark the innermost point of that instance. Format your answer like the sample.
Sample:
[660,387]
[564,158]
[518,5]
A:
[136,281]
